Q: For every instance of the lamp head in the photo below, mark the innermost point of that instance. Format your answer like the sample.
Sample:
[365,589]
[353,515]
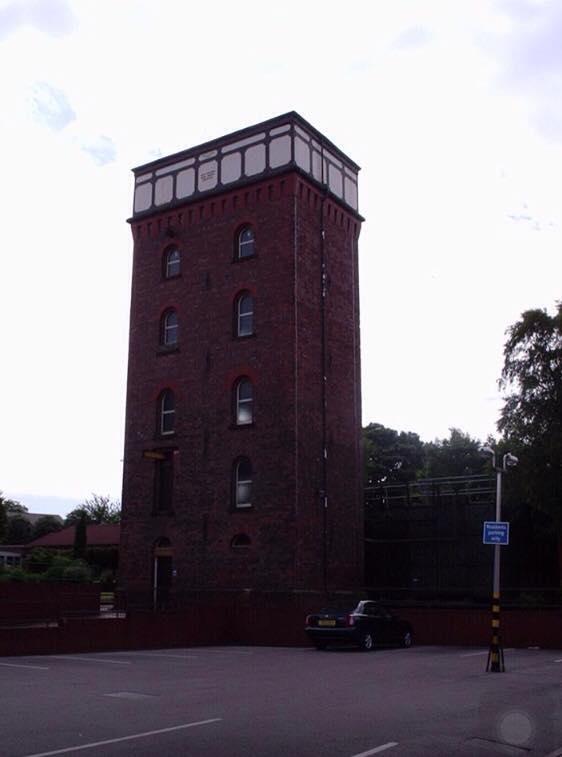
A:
[509,460]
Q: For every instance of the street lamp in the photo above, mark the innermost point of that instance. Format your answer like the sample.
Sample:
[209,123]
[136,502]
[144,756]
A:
[495,662]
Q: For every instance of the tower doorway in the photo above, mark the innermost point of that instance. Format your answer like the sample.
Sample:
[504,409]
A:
[162,574]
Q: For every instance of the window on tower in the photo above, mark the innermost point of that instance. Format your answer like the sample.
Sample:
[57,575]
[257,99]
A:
[167,412]
[172,263]
[244,315]
[246,243]
[242,483]
[241,542]
[169,328]
[244,402]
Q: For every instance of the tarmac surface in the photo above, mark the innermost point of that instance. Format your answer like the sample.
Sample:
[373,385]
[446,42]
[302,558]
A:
[234,701]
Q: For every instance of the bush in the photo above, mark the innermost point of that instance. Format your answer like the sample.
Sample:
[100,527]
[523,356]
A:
[56,570]
[78,571]
[17,574]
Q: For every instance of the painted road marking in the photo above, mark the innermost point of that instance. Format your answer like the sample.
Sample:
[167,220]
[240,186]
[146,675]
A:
[89,659]
[557,660]
[144,735]
[476,654]
[13,665]
[174,656]
[377,749]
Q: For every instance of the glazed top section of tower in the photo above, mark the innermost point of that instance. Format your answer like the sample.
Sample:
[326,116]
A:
[274,146]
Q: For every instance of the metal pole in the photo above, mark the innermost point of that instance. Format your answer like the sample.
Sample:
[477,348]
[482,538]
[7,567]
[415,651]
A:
[495,655]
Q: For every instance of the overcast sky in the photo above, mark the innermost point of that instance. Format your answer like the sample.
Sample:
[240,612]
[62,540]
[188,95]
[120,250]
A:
[452,109]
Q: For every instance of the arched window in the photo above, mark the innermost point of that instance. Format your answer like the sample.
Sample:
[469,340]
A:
[241,542]
[244,402]
[172,263]
[170,328]
[244,315]
[246,243]
[242,483]
[167,412]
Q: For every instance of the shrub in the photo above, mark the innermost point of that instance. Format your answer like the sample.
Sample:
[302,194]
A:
[78,571]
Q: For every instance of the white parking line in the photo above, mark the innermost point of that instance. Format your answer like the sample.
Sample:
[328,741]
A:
[377,749]
[13,665]
[474,654]
[88,659]
[558,660]
[477,654]
[124,738]
[173,656]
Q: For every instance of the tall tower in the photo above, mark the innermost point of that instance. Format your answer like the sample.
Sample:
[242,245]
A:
[242,444]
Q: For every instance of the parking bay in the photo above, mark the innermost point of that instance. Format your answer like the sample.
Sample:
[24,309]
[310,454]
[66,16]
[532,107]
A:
[281,701]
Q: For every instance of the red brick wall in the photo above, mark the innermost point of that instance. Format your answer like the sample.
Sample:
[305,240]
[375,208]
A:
[280,622]
[284,361]
[27,601]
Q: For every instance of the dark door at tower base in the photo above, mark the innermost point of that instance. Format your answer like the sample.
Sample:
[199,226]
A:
[162,581]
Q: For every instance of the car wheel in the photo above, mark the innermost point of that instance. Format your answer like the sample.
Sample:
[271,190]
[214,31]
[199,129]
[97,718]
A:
[320,645]
[366,643]
[406,639]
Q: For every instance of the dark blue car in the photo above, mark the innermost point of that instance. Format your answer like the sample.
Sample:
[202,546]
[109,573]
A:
[365,625]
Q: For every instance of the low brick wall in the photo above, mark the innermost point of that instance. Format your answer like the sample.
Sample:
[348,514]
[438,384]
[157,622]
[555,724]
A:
[29,602]
[280,623]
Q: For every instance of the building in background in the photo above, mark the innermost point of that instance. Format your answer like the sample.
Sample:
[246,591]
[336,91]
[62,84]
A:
[242,466]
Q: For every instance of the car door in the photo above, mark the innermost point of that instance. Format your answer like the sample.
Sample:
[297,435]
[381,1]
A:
[382,624]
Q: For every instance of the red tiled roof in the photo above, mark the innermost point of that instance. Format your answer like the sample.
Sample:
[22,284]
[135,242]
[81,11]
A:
[102,535]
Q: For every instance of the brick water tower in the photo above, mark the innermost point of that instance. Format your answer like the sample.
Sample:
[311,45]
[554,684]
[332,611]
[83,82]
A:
[242,466]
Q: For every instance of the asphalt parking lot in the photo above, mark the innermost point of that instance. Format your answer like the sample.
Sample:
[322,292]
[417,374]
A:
[230,701]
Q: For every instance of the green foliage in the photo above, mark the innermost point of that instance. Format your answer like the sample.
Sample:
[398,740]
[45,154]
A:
[58,565]
[3,521]
[12,506]
[40,560]
[98,509]
[531,419]
[47,524]
[80,537]
[8,507]
[393,457]
[77,571]
[19,530]
[390,456]
[17,574]
[459,455]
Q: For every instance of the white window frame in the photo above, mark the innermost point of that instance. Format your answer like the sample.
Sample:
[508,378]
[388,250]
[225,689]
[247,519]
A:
[243,482]
[247,314]
[241,401]
[176,262]
[244,243]
[170,333]
[164,413]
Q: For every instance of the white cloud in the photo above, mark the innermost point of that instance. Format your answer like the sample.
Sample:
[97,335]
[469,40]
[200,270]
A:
[451,137]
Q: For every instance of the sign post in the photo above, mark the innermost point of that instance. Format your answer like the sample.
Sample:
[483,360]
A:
[497,533]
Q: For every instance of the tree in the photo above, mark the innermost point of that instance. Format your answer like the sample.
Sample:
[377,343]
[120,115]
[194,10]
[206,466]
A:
[98,509]
[47,524]
[80,537]
[19,530]
[391,457]
[3,520]
[12,506]
[459,455]
[531,418]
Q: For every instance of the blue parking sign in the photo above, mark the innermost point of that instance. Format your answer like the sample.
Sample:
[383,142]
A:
[496,532]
